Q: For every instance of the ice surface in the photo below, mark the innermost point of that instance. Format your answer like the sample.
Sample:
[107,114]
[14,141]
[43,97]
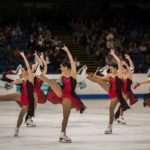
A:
[86,130]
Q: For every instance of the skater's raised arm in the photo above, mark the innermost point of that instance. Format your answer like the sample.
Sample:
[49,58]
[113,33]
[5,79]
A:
[119,62]
[26,62]
[44,62]
[38,58]
[112,52]
[73,65]
[130,62]
[128,68]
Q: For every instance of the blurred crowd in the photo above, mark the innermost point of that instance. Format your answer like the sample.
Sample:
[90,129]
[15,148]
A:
[34,37]
[123,29]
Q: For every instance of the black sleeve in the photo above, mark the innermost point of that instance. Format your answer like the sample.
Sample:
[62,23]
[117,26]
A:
[30,91]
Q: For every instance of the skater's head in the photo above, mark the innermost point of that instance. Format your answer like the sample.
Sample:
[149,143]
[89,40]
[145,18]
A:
[113,68]
[24,71]
[33,67]
[124,69]
[65,66]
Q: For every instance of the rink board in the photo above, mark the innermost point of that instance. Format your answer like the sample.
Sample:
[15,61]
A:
[85,88]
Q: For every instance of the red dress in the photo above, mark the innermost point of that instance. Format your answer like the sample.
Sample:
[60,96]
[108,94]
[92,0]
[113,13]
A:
[68,92]
[126,90]
[124,86]
[148,102]
[24,94]
[112,90]
[53,98]
[40,94]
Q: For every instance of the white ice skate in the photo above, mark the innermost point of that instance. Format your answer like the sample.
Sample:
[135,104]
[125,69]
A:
[103,70]
[7,86]
[83,73]
[16,132]
[97,70]
[64,138]
[3,75]
[18,70]
[30,123]
[109,129]
[38,71]
[81,69]
[121,121]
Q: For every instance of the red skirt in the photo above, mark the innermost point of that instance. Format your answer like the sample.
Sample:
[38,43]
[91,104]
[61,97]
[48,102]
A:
[112,94]
[148,102]
[75,102]
[24,100]
[52,97]
[131,96]
[41,96]
[125,92]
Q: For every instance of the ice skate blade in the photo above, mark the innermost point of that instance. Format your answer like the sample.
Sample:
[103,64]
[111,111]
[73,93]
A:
[121,123]
[30,126]
[64,141]
[108,132]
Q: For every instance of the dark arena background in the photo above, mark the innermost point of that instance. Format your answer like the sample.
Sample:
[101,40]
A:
[98,35]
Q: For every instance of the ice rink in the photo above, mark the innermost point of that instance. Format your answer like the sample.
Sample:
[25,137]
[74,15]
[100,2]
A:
[86,130]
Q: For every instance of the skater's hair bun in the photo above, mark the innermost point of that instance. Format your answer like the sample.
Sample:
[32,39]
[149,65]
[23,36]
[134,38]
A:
[24,67]
[114,65]
[66,63]
[124,66]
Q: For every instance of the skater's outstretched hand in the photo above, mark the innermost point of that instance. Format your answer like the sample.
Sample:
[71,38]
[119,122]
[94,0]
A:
[112,52]
[127,56]
[42,55]
[22,53]
[136,85]
[35,53]
[65,48]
